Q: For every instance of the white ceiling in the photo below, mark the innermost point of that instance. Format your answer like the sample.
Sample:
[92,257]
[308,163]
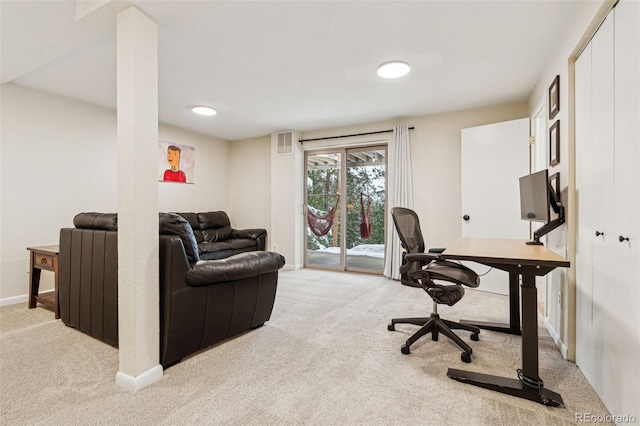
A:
[305,65]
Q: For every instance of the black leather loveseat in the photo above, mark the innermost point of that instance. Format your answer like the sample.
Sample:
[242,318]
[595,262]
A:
[201,301]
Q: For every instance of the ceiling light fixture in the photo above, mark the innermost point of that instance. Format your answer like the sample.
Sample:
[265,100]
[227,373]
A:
[204,110]
[393,69]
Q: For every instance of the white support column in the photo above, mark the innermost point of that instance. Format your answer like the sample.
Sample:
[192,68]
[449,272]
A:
[138,294]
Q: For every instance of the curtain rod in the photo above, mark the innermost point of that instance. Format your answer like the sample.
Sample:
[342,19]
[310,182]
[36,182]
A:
[348,136]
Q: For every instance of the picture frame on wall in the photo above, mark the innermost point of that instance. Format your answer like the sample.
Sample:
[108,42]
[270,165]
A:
[554,143]
[176,163]
[554,183]
[554,97]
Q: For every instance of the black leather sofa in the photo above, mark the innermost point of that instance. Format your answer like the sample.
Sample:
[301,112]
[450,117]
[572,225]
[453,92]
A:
[202,302]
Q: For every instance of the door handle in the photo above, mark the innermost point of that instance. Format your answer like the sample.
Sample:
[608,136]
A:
[621,238]
[466,217]
[598,233]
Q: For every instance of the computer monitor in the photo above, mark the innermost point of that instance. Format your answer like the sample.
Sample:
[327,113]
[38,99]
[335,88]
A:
[537,199]
[534,196]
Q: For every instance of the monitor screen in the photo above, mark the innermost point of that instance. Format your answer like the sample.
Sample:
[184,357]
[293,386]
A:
[534,196]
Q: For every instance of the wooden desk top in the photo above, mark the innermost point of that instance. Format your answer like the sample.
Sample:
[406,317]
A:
[512,252]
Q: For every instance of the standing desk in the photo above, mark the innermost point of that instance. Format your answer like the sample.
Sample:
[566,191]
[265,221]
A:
[527,261]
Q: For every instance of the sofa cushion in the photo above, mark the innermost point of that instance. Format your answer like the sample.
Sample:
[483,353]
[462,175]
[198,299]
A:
[192,218]
[242,243]
[175,224]
[215,226]
[216,250]
[99,221]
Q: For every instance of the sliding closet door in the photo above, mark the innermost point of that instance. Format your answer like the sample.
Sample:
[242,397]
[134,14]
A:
[624,388]
[586,203]
[608,234]
[602,174]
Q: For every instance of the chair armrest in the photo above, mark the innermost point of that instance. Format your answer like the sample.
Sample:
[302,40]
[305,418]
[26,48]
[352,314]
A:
[437,250]
[453,272]
[421,257]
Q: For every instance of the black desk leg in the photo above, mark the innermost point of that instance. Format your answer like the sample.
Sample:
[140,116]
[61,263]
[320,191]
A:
[514,303]
[528,384]
[514,312]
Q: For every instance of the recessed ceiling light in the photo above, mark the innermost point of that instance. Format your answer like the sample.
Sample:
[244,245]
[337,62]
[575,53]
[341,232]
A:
[393,69]
[203,110]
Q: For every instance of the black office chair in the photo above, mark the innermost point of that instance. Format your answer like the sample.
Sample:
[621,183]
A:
[420,268]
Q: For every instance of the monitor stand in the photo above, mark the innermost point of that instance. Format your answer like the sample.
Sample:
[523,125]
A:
[546,228]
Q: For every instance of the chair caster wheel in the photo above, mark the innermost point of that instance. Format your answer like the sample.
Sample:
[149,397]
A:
[465,357]
[405,349]
[434,336]
[475,337]
[391,327]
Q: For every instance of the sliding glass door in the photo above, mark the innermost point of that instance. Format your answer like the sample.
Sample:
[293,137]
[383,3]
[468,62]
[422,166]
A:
[323,209]
[366,190]
[345,209]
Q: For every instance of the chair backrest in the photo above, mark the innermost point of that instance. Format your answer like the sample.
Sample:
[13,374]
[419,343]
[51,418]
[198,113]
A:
[408,227]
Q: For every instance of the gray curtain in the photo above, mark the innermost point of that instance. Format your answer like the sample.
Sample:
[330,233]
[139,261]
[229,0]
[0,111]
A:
[399,194]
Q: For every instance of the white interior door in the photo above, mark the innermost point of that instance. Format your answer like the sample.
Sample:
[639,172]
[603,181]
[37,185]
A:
[494,156]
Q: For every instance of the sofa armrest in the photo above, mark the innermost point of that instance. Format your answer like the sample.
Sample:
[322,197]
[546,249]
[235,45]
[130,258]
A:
[182,307]
[258,234]
[237,267]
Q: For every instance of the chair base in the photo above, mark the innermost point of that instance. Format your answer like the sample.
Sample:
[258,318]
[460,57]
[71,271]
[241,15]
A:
[436,325]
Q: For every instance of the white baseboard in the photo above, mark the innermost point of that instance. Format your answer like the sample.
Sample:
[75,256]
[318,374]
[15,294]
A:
[18,299]
[134,384]
[556,338]
[290,267]
[13,300]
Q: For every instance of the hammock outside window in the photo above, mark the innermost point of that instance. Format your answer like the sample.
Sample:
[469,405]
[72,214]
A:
[321,225]
[365,218]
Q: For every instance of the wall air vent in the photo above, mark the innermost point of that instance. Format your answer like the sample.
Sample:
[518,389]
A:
[285,143]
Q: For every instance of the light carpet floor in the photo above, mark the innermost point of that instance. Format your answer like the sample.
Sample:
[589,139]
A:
[325,358]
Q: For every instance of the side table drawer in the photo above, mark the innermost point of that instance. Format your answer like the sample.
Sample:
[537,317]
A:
[43,261]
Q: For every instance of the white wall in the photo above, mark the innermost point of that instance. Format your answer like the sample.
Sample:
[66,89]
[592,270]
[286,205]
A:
[58,158]
[287,225]
[249,185]
[210,190]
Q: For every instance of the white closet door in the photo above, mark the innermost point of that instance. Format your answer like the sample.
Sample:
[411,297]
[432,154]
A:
[607,179]
[627,134]
[623,388]
[494,156]
[602,175]
[586,201]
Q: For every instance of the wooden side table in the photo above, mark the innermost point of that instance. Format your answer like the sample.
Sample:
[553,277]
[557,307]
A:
[43,257]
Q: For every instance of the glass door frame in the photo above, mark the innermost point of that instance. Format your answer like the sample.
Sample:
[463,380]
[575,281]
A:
[342,151]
